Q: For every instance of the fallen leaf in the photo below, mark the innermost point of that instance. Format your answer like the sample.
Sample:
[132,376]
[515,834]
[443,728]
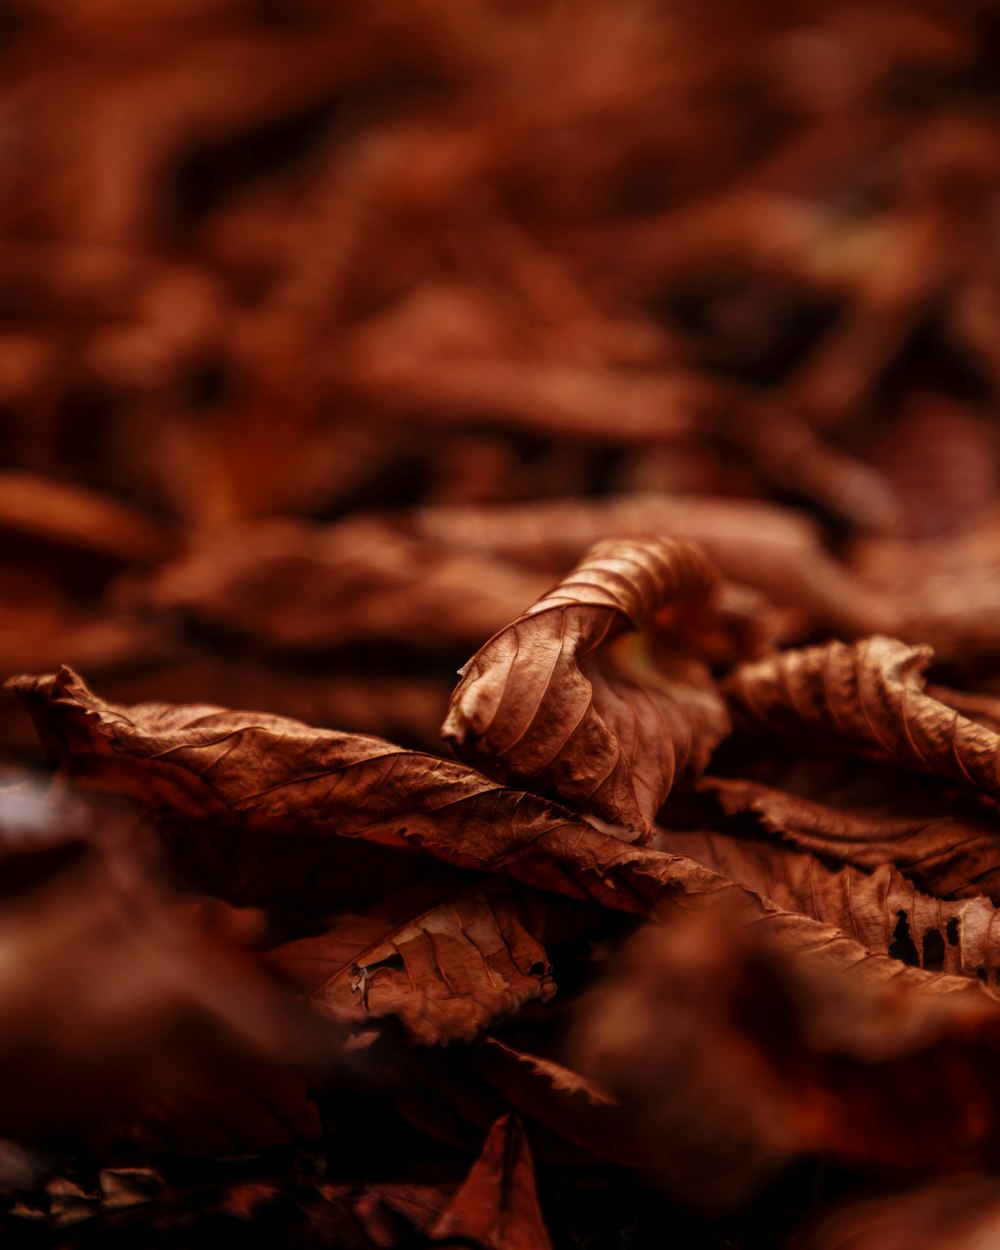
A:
[881,909]
[79,523]
[447,972]
[325,791]
[293,588]
[869,696]
[774,549]
[944,847]
[539,703]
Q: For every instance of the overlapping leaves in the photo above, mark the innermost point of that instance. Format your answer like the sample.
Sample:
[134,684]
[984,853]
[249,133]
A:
[438,907]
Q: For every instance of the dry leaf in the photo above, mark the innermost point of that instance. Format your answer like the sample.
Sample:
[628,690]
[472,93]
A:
[447,972]
[79,523]
[307,795]
[869,695]
[291,587]
[773,549]
[541,704]
[939,843]
[882,910]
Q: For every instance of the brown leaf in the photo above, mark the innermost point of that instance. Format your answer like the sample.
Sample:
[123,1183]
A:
[773,549]
[447,972]
[388,1212]
[292,587]
[496,1207]
[946,849]
[78,522]
[301,790]
[869,695]
[539,704]
[568,1105]
[882,910]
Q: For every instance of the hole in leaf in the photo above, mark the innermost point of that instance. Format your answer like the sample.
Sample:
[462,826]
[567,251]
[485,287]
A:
[902,946]
[394,962]
[933,950]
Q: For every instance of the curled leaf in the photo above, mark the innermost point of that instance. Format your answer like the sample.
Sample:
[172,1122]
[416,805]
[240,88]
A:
[869,695]
[540,703]
[306,793]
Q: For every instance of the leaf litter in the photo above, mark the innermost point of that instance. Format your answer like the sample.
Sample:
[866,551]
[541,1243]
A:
[638,362]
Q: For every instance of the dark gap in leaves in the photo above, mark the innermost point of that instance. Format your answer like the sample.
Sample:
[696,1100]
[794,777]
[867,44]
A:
[399,482]
[928,361]
[206,176]
[752,326]
[310,872]
[209,382]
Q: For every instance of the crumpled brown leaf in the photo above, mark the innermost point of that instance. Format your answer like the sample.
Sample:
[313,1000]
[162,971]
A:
[447,971]
[881,909]
[326,791]
[939,843]
[540,704]
[870,696]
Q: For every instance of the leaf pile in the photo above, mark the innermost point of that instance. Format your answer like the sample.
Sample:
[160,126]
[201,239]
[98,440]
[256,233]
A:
[499,547]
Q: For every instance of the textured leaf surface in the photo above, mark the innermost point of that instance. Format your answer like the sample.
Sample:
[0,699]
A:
[541,704]
[869,695]
[325,786]
[947,850]
[446,973]
[883,910]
